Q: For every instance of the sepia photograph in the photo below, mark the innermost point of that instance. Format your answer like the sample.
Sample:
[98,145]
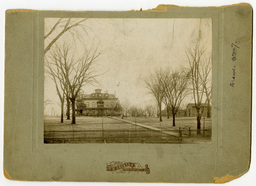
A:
[128,80]
[134,94]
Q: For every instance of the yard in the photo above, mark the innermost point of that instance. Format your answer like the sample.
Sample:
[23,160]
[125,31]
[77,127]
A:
[166,124]
[126,130]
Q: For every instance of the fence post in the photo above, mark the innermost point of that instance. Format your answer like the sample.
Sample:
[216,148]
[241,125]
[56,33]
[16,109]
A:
[189,131]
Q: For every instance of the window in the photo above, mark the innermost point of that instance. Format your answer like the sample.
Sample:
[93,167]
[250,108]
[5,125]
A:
[93,104]
[107,104]
[87,104]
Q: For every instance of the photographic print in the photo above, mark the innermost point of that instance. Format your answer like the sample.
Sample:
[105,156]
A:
[161,95]
[127,80]
[128,96]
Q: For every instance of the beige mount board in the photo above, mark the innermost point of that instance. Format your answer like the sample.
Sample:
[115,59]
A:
[219,154]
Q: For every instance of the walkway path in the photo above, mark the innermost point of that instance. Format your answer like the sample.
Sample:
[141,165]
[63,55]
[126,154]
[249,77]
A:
[148,127]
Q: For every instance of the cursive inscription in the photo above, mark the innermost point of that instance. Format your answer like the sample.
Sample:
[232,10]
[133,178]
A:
[235,48]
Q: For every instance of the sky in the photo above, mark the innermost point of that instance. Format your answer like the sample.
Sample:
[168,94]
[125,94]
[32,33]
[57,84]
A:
[130,49]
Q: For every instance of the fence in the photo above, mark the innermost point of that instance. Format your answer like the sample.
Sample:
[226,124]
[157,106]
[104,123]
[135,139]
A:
[140,135]
[187,132]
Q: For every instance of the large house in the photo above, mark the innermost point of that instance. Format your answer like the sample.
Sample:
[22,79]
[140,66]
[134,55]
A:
[205,110]
[98,104]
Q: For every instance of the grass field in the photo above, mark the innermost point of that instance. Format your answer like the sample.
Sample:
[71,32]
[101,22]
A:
[111,130]
[167,123]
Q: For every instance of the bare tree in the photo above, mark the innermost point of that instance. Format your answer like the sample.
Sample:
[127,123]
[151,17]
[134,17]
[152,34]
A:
[205,76]
[115,108]
[200,69]
[175,89]
[60,83]
[125,108]
[55,75]
[136,111]
[167,106]
[55,31]
[68,103]
[141,112]
[74,72]
[153,84]
[208,93]
[60,27]
[150,110]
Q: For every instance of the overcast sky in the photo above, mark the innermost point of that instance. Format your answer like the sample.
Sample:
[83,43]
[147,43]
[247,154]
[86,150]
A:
[131,49]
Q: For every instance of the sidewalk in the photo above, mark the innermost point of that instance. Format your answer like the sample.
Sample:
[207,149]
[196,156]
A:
[176,134]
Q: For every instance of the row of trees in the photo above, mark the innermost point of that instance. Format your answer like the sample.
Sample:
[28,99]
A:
[69,69]
[168,88]
[136,111]
[171,87]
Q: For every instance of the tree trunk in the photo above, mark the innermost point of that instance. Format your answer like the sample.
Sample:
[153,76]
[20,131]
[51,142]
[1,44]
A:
[167,112]
[62,110]
[73,101]
[198,121]
[160,113]
[173,118]
[208,110]
[68,108]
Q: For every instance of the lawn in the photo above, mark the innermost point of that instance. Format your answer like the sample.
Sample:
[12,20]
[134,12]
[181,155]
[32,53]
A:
[100,130]
[167,123]
[112,130]
[183,123]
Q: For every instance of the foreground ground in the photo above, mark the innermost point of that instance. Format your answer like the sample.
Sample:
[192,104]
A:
[126,130]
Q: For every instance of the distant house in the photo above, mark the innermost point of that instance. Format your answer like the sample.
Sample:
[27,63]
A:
[191,110]
[180,113]
[98,104]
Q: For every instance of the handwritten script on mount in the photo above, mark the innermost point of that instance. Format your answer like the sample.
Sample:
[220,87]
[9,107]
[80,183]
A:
[234,58]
